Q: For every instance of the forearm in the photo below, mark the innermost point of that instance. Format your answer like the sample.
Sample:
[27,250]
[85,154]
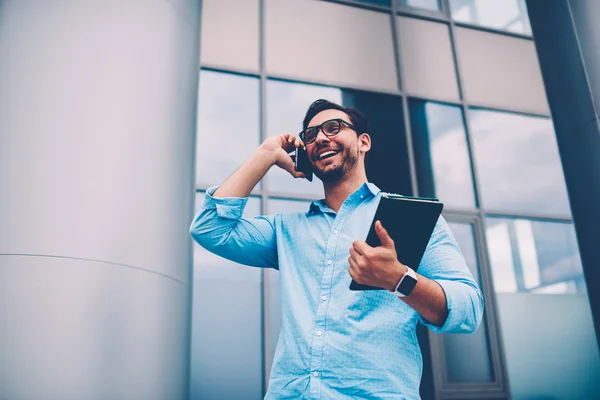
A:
[429,300]
[245,178]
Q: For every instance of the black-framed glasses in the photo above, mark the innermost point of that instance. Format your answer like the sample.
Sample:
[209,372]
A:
[330,127]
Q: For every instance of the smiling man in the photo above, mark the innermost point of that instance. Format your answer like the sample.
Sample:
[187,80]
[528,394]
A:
[336,343]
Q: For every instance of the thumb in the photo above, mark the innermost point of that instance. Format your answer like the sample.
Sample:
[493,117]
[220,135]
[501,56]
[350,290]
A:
[384,237]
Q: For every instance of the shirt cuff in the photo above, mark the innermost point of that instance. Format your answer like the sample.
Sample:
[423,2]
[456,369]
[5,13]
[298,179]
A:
[227,207]
[462,312]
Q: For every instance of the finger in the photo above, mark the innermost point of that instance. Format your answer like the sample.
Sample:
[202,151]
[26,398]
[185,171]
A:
[360,246]
[353,268]
[354,254]
[384,237]
[299,143]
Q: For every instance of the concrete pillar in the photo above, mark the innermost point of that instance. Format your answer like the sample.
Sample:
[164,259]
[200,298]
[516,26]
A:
[97,121]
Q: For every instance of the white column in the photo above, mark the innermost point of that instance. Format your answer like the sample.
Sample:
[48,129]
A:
[97,121]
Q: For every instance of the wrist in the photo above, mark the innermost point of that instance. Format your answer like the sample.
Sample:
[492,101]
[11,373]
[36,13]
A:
[268,154]
[400,271]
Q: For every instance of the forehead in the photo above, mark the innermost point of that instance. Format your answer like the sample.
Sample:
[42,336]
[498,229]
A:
[326,115]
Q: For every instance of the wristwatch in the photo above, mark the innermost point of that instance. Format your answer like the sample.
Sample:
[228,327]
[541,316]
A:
[407,283]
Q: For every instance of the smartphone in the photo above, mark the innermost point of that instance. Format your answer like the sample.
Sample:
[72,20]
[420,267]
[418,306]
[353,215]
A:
[302,164]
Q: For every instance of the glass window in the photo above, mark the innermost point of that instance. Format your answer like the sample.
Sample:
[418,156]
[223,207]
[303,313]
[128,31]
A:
[433,5]
[534,256]
[228,125]
[286,106]
[518,164]
[441,153]
[219,352]
[549,339]
[506,15]
[467,355]
[273,296]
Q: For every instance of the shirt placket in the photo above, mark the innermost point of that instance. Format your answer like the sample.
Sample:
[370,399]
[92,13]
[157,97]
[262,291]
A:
[319,333]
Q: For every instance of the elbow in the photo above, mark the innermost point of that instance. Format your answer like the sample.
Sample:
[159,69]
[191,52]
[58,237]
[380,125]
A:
[474,311]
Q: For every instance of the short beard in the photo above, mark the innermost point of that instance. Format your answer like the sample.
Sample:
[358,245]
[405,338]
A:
[335,175]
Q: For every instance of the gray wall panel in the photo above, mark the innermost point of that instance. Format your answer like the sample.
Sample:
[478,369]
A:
[331,43]
[426,58]
[229,35]
[500,71]
[74,329]
[97,120]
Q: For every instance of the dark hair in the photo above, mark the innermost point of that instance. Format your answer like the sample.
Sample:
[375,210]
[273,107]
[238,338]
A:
[356,117]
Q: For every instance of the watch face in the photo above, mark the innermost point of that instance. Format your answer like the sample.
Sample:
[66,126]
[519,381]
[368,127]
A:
[407,285]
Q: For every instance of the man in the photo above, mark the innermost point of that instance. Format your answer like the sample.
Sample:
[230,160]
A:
[336,343]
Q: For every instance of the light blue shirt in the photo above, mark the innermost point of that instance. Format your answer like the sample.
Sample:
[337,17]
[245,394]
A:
[336,343]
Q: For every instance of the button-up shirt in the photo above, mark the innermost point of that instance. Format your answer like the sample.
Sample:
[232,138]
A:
[336,343]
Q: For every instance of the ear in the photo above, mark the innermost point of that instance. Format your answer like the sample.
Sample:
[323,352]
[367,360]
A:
[364,142]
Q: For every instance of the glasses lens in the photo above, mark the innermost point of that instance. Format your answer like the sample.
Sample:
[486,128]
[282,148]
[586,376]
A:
[310,134]
[331,127]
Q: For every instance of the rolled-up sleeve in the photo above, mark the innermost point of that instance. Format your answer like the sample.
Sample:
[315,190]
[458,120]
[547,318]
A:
[220,228]
[444,263]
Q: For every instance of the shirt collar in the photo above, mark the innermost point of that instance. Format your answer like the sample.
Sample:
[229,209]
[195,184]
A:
[366,190]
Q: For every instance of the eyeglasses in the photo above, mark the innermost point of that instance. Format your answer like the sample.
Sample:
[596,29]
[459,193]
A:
[329,128]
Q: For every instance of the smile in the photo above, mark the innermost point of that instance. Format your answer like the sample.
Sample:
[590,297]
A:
[327,154]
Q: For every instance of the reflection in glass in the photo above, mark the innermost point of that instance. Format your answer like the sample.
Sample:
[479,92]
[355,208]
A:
[534,256]
[424,4]
[467,355]
[273,296]
[226,301]
[506,15]
[287,104]
[441,153]
[228,125]
[518,163]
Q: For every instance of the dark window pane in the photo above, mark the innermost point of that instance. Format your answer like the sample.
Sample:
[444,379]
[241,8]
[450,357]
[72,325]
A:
[385,3]
[467,355]
[424,4]
[518,163]
[228,125]
[217,351]
[534,256]
[441,153]
[506,15]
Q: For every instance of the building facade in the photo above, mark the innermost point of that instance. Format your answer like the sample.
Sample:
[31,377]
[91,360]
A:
[117,116]
[454,94]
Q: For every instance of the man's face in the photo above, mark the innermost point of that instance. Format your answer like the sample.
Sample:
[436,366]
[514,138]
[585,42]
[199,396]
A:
[333,156]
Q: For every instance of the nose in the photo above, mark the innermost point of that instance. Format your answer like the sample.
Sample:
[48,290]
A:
[321,137]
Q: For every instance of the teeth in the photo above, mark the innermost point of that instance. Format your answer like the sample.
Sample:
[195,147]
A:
[326,154]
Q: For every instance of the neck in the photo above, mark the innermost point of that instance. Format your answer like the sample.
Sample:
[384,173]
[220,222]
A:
[337,192]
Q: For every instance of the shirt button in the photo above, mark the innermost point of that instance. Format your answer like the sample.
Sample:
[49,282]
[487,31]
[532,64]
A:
[336,231]
[319,333]
[362,196]
[323,298]
[329,262]
[315,374]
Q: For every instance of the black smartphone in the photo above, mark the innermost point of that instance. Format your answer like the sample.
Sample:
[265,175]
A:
[302,164]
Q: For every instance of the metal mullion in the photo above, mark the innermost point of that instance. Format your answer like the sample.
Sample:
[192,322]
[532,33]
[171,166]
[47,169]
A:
[405,113]
[331,84]
[492,30]
[494,337]
[264,194]
[359,4]
[532,216]
[229,70]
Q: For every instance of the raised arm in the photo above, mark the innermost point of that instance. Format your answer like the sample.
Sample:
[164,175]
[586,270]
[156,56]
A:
[273,151]
[219,226]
